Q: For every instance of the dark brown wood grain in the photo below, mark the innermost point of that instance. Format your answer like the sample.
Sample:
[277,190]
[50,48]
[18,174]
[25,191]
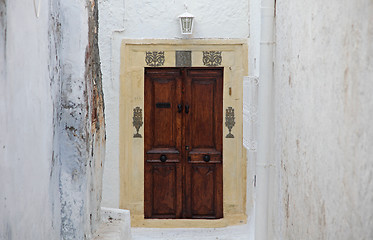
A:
[179,181]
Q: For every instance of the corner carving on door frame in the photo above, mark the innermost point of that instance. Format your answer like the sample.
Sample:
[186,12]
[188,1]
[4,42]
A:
[229,121]
[212,58]
[154,58]
[137,121]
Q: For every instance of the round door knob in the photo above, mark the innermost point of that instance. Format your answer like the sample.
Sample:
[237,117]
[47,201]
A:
[206,158]
[163,158]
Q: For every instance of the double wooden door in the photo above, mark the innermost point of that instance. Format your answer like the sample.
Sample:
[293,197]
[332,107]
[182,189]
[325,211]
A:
[183,143]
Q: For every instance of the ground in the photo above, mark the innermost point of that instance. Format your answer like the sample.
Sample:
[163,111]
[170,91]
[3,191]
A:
[228,233]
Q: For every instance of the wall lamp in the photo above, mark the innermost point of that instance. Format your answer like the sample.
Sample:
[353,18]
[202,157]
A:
[186,22]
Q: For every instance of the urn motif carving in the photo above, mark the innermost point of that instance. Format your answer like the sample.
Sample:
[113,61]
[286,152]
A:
[229,121]
[137,121]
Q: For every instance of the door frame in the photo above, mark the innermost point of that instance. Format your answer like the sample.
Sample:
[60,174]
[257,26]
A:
[234,60]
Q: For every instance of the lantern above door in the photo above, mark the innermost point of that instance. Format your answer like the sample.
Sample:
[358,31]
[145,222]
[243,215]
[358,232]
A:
[186,22]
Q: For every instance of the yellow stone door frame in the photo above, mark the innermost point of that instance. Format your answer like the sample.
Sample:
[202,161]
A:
[135,56]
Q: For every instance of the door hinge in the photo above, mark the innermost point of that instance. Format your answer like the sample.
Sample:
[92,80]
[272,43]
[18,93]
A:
[254,180]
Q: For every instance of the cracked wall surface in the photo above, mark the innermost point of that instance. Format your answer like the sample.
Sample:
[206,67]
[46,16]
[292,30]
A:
[324,107]
[51,112]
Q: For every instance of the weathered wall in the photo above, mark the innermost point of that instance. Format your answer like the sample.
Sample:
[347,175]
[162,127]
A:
[82,137]
[152,20]
[51,112]
[324,107]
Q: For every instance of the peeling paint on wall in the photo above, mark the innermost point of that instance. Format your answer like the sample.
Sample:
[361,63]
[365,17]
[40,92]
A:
[54,33]
[82,132]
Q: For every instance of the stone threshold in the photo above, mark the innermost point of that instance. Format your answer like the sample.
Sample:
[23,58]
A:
[235,219]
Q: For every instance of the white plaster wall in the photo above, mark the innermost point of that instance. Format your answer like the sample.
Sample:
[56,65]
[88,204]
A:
[50,154]
[26,120]
[324,107]
[146,19]
[254,46]
[111,15]
[254,59]
[213,18]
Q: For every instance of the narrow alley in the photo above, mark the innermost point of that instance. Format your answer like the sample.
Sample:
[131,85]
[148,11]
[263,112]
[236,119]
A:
[208,120]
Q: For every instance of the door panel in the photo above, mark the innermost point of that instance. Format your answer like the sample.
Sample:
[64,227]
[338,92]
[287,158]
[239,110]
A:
[202,181]
[162,122]
[183,143]
[164,117]
[203,131]
[164,190]
[202,122]
[163,165]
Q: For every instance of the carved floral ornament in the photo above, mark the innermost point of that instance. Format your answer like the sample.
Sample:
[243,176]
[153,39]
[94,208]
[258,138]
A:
[154,58]
[212,58]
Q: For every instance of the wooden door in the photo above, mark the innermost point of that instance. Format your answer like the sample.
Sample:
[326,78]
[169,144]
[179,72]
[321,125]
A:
[163,150]
[203,138]
[183,143]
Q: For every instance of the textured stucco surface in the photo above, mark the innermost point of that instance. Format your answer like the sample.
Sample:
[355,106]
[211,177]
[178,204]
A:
[111,21]
[26,125]
[324,107]
[254,57]
[52,134]
[147,19]
[82,127]
[213,18]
